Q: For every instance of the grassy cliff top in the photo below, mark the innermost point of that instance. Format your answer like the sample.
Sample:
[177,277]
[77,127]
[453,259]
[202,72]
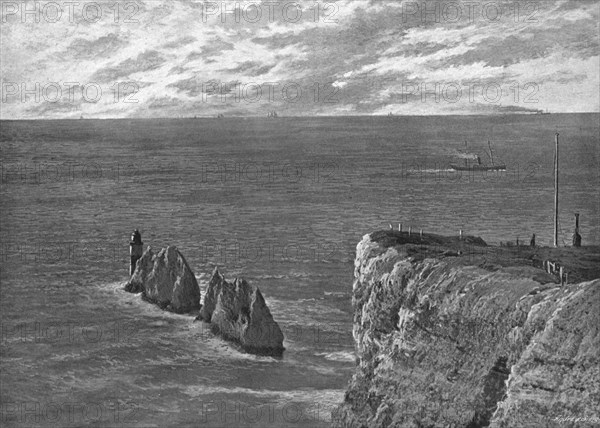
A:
[581,264]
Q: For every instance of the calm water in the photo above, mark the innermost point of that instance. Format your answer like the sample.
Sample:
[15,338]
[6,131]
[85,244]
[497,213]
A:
[280,202]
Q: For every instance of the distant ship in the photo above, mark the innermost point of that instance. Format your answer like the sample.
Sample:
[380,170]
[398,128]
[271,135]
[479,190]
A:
[479,166]
[272,114]
[220,116]
[543,112]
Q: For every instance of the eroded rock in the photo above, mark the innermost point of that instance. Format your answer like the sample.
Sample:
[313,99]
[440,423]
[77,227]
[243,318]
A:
[238,312]
[167,280]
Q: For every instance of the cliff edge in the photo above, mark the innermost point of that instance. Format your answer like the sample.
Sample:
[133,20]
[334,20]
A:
[457,333]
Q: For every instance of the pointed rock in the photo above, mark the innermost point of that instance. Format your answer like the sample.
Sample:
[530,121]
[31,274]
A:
[238,312]
[167,280]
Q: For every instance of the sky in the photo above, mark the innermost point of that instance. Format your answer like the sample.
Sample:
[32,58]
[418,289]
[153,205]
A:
[137,59]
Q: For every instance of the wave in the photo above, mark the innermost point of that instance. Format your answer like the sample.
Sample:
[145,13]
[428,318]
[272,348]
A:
[428,171]
[344,356]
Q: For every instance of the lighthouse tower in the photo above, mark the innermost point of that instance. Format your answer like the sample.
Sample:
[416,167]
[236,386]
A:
[136,247]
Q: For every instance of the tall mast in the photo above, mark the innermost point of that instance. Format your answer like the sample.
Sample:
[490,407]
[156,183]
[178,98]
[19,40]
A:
[491,154]
[556,192]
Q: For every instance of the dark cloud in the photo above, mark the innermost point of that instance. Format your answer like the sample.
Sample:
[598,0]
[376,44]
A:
[251,68]
[89,49]
[48,108]
[177,70]
[179,42]
[160,103]
[215,47]
[146,61]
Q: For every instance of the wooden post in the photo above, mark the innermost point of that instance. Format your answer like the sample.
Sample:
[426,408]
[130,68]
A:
[460,234]
[421,234]
[556,193]
[576,235]
[409,230]
[560,272]
[400,227]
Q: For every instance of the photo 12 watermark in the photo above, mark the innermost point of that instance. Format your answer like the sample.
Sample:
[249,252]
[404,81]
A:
[258,173]
[577,419]
[319,335]
[21,252]
[236,252]
[265,12]
[52,12]
[469,170]
[287,92]
[67,172]
[475,92]
[238,413]
[59,413]
[62,333]
[448,12]
[69,92]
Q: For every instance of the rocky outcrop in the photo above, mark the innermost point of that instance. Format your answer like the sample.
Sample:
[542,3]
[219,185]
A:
[237,311]
[167,280]
[448,340]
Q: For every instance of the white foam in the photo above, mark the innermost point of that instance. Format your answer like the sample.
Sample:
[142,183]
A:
[344,356]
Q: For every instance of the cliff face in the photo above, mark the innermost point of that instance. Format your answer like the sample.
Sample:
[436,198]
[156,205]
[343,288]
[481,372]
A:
[167,280]
[238,312]
[445,341]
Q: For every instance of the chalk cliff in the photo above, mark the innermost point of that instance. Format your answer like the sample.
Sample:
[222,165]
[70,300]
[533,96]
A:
[469,337]
[238,312]
[167,280]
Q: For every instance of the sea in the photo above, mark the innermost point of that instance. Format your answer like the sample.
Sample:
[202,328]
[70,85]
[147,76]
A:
[280,202]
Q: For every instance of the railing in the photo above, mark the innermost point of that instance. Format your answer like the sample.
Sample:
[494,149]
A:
[554,268]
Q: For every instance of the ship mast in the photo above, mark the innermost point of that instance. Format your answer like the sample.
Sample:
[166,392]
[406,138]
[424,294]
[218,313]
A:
[556,192]
[491,154]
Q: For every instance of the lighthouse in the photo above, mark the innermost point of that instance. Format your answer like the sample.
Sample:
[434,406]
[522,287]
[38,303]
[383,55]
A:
[136,247]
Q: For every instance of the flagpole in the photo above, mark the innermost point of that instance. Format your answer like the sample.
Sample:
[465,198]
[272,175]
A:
[556,193]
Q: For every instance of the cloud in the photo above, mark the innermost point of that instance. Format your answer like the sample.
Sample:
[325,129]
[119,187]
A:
[145,61]
[89,49]
[363,51]
[182,41]
[215,47]
[252,68]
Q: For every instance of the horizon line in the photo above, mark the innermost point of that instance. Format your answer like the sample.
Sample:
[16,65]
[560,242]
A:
[299,116]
